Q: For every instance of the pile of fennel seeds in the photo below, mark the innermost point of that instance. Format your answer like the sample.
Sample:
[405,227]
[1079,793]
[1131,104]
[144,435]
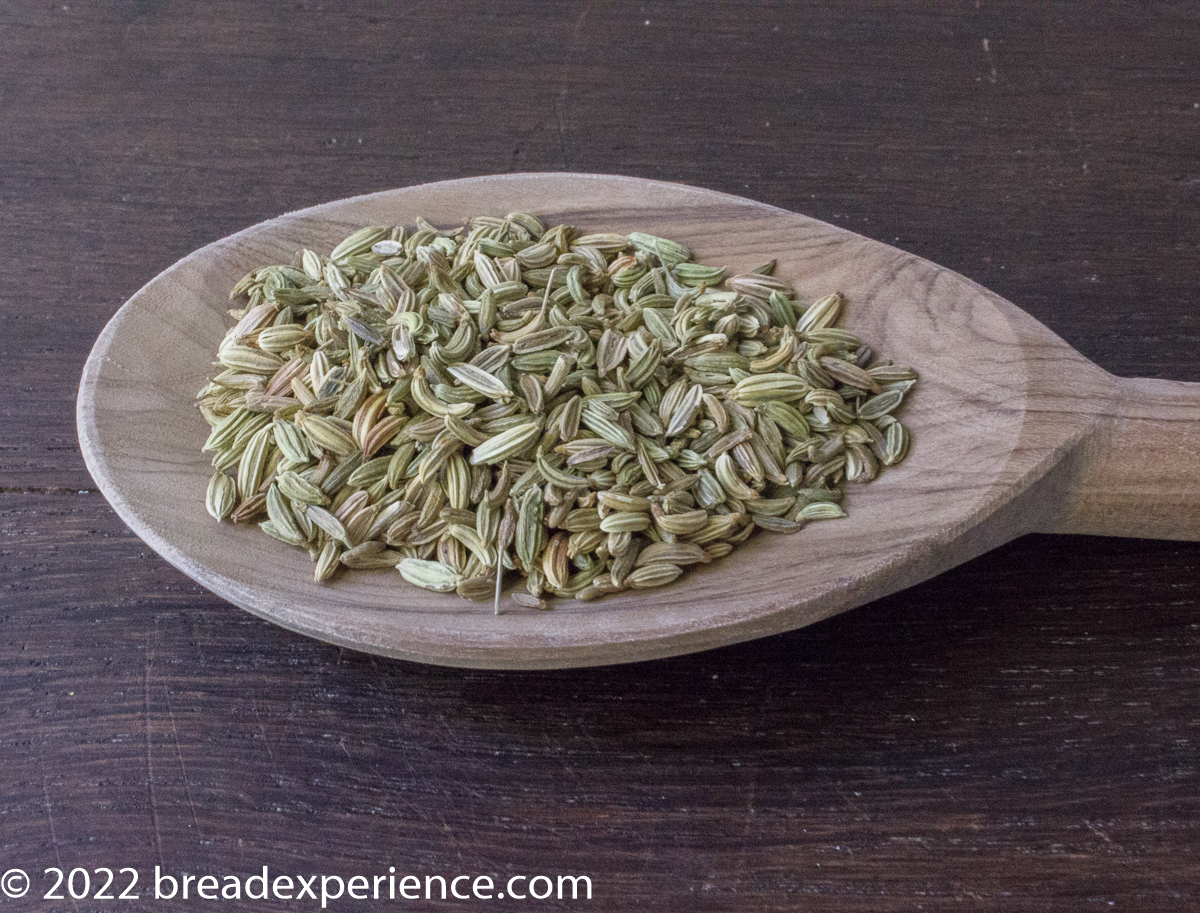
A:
[594,411]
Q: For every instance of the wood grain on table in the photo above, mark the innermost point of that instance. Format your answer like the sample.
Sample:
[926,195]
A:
[1018,734]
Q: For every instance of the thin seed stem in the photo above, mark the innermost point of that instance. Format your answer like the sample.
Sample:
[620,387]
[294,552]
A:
[499,577]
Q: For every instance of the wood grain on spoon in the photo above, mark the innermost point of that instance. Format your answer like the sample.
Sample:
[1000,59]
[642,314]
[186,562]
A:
[1013,432]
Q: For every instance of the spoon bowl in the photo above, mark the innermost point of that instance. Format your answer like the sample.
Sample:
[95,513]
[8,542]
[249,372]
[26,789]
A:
[1013,432]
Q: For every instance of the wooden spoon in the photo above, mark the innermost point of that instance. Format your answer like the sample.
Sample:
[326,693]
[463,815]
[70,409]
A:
[1013,432]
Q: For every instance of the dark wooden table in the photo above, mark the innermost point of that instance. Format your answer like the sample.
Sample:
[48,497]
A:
[1019,734]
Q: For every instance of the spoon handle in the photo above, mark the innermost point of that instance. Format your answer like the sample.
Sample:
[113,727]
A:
[1138,474]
